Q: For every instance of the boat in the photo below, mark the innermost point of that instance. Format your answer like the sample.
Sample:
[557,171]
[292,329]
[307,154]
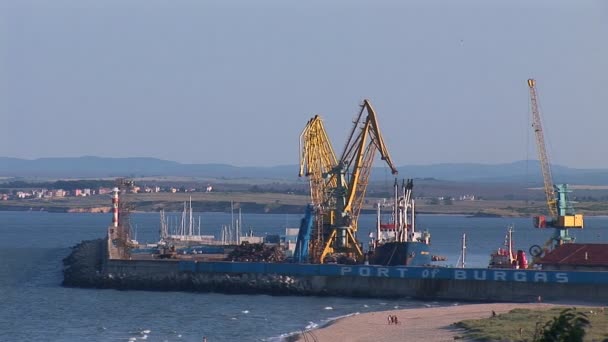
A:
[397,242]
[504,257]
[184,232]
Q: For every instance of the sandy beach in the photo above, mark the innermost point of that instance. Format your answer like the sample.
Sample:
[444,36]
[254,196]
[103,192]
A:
[424,324]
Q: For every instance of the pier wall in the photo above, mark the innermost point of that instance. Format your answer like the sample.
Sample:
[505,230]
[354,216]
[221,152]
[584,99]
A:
[309,280]
[85,269]
[141,268]
[468,290]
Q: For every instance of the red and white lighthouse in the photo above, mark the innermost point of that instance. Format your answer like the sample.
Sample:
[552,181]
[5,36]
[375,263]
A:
[115,207]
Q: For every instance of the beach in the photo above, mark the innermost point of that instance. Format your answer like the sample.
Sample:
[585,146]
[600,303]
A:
[423,324]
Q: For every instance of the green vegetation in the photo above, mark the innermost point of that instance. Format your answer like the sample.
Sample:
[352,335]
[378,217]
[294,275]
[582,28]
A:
[570,325]
[557,324]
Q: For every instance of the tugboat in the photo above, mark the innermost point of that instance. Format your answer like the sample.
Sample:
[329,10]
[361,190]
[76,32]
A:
[505,258]
[397,243]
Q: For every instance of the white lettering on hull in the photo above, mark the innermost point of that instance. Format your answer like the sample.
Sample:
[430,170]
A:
[479,275]
[457,274]
[345,270]
[519,276]
[561,277]
[364,271]
[540,277]
[500,275]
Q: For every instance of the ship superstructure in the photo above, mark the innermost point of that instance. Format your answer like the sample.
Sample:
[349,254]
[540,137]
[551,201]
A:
[398,242]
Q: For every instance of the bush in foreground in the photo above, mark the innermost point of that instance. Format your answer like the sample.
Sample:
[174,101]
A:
[557,324]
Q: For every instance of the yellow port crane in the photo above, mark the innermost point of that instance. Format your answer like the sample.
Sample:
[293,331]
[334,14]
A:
[561,211]
[542,151]
[337,186]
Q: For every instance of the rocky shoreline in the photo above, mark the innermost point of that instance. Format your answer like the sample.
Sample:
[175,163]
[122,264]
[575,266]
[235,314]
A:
[83,267]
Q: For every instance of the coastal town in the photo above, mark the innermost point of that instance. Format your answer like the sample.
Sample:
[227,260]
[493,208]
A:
[86,192]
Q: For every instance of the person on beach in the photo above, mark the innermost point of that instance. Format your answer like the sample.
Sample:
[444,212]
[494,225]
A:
[389,319]
[395,320]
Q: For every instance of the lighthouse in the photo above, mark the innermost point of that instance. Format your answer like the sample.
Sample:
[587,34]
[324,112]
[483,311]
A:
[115,207]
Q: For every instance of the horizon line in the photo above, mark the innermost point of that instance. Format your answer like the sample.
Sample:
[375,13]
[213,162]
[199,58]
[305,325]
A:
[282,165]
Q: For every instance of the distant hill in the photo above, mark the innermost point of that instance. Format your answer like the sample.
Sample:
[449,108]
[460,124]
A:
[134,167]
[516,172]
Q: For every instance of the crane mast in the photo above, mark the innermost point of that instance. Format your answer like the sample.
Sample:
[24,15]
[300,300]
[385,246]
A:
[338,186]
[560,207]
[542,151]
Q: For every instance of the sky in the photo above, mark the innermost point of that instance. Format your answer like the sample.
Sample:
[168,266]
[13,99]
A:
[236,81]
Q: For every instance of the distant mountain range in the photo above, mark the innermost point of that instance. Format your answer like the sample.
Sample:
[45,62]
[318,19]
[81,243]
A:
[98,167]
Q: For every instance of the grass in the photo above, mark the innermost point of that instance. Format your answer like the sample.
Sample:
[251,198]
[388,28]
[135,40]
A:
[507,326]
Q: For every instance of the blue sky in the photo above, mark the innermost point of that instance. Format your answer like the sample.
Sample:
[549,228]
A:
[235,81]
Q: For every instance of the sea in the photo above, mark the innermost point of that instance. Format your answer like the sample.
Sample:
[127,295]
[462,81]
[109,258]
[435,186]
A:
[35,307]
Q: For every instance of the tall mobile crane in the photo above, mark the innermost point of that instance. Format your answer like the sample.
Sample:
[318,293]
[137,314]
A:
[337,186]
[561,211]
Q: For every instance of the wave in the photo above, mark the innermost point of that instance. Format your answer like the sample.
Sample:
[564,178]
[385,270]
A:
[292,336]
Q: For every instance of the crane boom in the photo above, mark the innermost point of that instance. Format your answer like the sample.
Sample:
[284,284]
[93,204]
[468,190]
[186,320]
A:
[542,151]
[317,158]
[360,154]
[338,186]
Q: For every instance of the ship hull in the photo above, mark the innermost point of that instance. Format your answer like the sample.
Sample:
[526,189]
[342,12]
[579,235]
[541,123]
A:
[401,254]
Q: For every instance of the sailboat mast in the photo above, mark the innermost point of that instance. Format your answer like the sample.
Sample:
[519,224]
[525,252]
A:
[183,226]
[190,224]
[238,233]
[231,218]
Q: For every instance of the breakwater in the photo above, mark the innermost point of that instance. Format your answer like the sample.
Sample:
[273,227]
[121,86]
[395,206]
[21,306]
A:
[87,267]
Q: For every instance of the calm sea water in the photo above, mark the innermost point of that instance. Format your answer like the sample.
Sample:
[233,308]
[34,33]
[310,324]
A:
[34,307]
